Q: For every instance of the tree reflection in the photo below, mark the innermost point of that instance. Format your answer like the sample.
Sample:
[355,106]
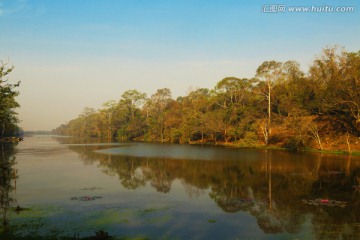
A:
[269,218]
[7,174]
[270,188]
[161,178]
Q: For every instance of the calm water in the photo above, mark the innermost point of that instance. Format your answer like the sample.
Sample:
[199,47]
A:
[67,187]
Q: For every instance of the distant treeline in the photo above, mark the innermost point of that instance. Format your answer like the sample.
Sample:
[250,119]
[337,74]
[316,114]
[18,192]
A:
[39,132]
[280,104]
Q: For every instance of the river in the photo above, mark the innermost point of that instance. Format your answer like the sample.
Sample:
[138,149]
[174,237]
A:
[66,188]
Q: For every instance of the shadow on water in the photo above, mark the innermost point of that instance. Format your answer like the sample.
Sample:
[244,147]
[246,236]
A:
[7,182]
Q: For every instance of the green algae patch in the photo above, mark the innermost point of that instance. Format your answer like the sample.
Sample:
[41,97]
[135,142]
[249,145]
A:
[52,222]
[37,221]
[37,212]
[158,215]
[112,216]
[47,222]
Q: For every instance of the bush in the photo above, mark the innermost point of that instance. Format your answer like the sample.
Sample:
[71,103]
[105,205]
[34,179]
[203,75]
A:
[175,135]
[294,143]
[250,139]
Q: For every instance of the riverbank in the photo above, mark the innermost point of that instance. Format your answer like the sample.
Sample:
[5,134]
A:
[337,146]
[11,139]
[330,144]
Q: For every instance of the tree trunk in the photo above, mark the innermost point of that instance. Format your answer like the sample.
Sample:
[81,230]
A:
[269,103]
[348,143]
[315,135]
[266,132]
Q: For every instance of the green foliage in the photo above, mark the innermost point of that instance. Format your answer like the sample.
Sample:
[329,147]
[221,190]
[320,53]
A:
[8,119]
[175,135]
[294,143]
[336,76]
[250,139]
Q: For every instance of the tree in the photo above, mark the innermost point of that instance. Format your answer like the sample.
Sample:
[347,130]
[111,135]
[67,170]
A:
[8,119]
[290,93]
[314,133]
[233,96]
[282,99]
[174,121]
[269,73]
[107,119]
[336,76]
[130,122]
[88,117]
[233,91]
[195,113]
[133,99]
[349,94]
[156,107]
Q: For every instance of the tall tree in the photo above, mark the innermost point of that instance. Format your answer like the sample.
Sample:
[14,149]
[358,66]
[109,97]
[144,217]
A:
[8,119]
[233,97]
[350,91]
[107,119]
[133,99]
[157,105]
[88,119]
[290,92]
[195,112]
[336,75]
[269,73]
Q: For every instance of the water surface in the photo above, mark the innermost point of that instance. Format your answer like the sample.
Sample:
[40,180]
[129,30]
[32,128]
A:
[71,188]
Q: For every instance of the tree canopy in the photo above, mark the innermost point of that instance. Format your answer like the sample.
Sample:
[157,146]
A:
[8,104]
[281,103]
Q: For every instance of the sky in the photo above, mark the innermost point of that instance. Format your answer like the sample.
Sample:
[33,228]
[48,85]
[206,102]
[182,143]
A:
[72,54]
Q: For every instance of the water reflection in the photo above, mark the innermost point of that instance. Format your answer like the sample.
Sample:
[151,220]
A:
[270,186]
[7,182]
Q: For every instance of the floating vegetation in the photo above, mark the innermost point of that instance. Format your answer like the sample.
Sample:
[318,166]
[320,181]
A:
[212,221]
[324,202]
[154,215]
[86,198]
[108,217]
[91,188]
[101,235]
[36,223]
[37,212]
[147,211]
[19,209]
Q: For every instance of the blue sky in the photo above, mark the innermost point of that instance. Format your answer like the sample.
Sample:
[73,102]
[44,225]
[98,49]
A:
[70,54]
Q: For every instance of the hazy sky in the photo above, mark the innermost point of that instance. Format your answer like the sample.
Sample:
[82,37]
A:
[70,54]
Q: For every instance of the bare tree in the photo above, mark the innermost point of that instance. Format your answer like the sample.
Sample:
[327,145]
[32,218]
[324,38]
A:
[314,133]
[348,142]
[268,73]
